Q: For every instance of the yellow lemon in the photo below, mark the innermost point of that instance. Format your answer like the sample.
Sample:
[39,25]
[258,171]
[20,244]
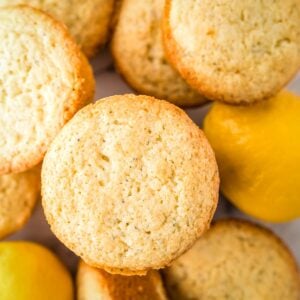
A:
[31,272]
[258,153]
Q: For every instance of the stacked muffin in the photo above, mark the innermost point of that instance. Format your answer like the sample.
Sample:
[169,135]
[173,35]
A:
[44,79]
[130,183]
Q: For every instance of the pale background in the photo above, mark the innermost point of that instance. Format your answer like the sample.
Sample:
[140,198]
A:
[110,83]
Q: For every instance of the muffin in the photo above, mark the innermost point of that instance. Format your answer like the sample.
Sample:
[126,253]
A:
[88,21]
[139,56]
[135,185]
[238,52]
[96,284]
[235,260]
[18,196]
[44,80]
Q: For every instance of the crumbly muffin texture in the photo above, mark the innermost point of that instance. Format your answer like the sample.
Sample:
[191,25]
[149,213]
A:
[88,21]
[135,185]
[235,260]
[235,51]
[44,80]
[139,55]
[18,196]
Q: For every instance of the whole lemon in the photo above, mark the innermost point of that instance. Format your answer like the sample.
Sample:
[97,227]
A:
[258,153]
[31,272]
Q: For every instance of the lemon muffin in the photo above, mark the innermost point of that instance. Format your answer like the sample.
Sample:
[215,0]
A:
[235,260]
[139,55]
[234,51]
[18,195]
[88,21]
[96,284]
[135,186]
[44,80]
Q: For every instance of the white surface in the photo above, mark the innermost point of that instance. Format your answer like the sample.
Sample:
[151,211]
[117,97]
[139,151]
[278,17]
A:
[110,83]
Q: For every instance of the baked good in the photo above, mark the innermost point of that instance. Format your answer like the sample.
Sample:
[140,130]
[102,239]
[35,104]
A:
[135,186]
[88,21]
[44,80]
[236,51]
[235,260]
[18,196]
[96,284]
[139,56]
